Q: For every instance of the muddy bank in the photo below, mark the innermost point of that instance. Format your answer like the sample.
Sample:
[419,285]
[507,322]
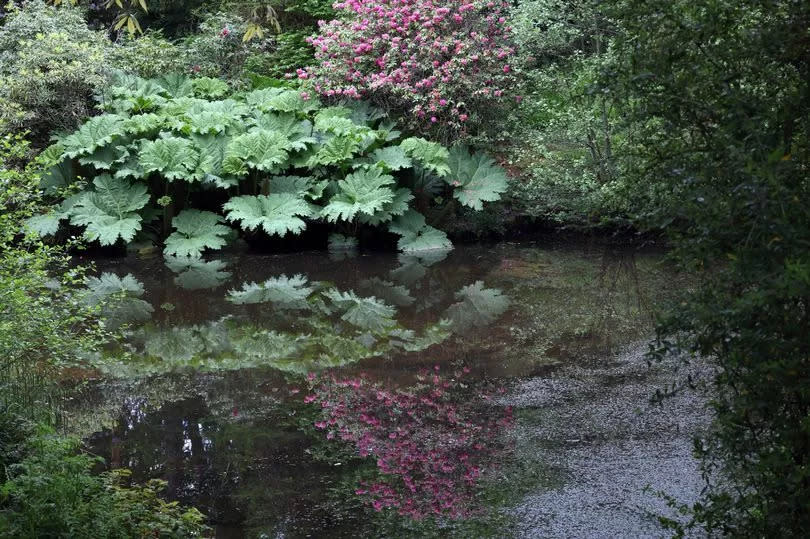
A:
[593,424]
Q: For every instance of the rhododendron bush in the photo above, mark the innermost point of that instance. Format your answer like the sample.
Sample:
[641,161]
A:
[443,64]
[433,443]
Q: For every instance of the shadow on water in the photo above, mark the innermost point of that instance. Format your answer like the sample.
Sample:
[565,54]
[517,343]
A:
[337,394]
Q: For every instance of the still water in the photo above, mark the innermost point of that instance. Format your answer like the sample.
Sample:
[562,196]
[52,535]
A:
[343,394]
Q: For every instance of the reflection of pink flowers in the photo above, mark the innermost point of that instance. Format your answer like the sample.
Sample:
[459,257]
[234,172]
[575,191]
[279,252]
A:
[432,442]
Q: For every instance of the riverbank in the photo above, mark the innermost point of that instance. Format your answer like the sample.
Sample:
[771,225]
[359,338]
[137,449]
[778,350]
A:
[593,423]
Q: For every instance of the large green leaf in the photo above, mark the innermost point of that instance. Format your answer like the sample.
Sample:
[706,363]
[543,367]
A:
[334,151]
[96,132]
[111,210]
[416,235]
[277,213]
[173,157]
[47,224]
[364,191]
[432,155]
[397,206]
[391,158]
[299,185]
[195,231]
[262,150]
[476,178]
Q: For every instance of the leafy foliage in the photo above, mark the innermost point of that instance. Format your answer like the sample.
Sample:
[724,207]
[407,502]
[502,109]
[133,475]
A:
[275,214]
[277,156]
[195,231]
[416,235]
[721,128]
[110,211]
[479,178]
[360,192]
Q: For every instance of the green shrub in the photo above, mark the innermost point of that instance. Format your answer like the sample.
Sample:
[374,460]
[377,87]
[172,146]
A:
[218,48]
[53,493]
[572,158]
[276,157]
[51,66]
[148,55]
[717,94]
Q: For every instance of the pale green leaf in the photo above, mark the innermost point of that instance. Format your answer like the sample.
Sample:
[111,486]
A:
[431,155]
[365,191]
[173,157]
[195,231]
[277,213]
[110,211]
[96,132]
[476,178]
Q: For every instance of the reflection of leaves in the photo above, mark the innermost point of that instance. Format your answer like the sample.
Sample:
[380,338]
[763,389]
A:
[194,273]
[389,292]
[284,292]
[368,313]
[413,266]
[266,345]
[177,345]
[121,298]
[478,306]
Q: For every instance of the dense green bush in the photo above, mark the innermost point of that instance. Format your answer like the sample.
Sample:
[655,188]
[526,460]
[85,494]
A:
[148,55]
[51,65]
[718,97]
[276,158]
[52,493]
[218,48]
[572,159]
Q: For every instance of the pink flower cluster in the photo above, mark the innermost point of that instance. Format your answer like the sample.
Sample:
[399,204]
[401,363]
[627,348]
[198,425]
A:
[443,62]
[432,442]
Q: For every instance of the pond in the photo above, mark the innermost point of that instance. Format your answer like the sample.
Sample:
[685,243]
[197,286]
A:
[344,394]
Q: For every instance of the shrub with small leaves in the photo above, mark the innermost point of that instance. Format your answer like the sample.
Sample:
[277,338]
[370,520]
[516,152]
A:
[445,65]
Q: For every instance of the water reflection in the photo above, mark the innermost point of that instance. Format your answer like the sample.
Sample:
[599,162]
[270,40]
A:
[287,322]
[210,390]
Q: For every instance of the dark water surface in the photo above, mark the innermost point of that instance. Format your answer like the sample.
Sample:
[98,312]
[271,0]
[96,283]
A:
[336,394]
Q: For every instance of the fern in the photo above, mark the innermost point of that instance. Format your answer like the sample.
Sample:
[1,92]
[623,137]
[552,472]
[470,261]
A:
[431,155]
[111,211]
[278,213]
[476,178]
[173,157]
[364,191]
[195,231]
